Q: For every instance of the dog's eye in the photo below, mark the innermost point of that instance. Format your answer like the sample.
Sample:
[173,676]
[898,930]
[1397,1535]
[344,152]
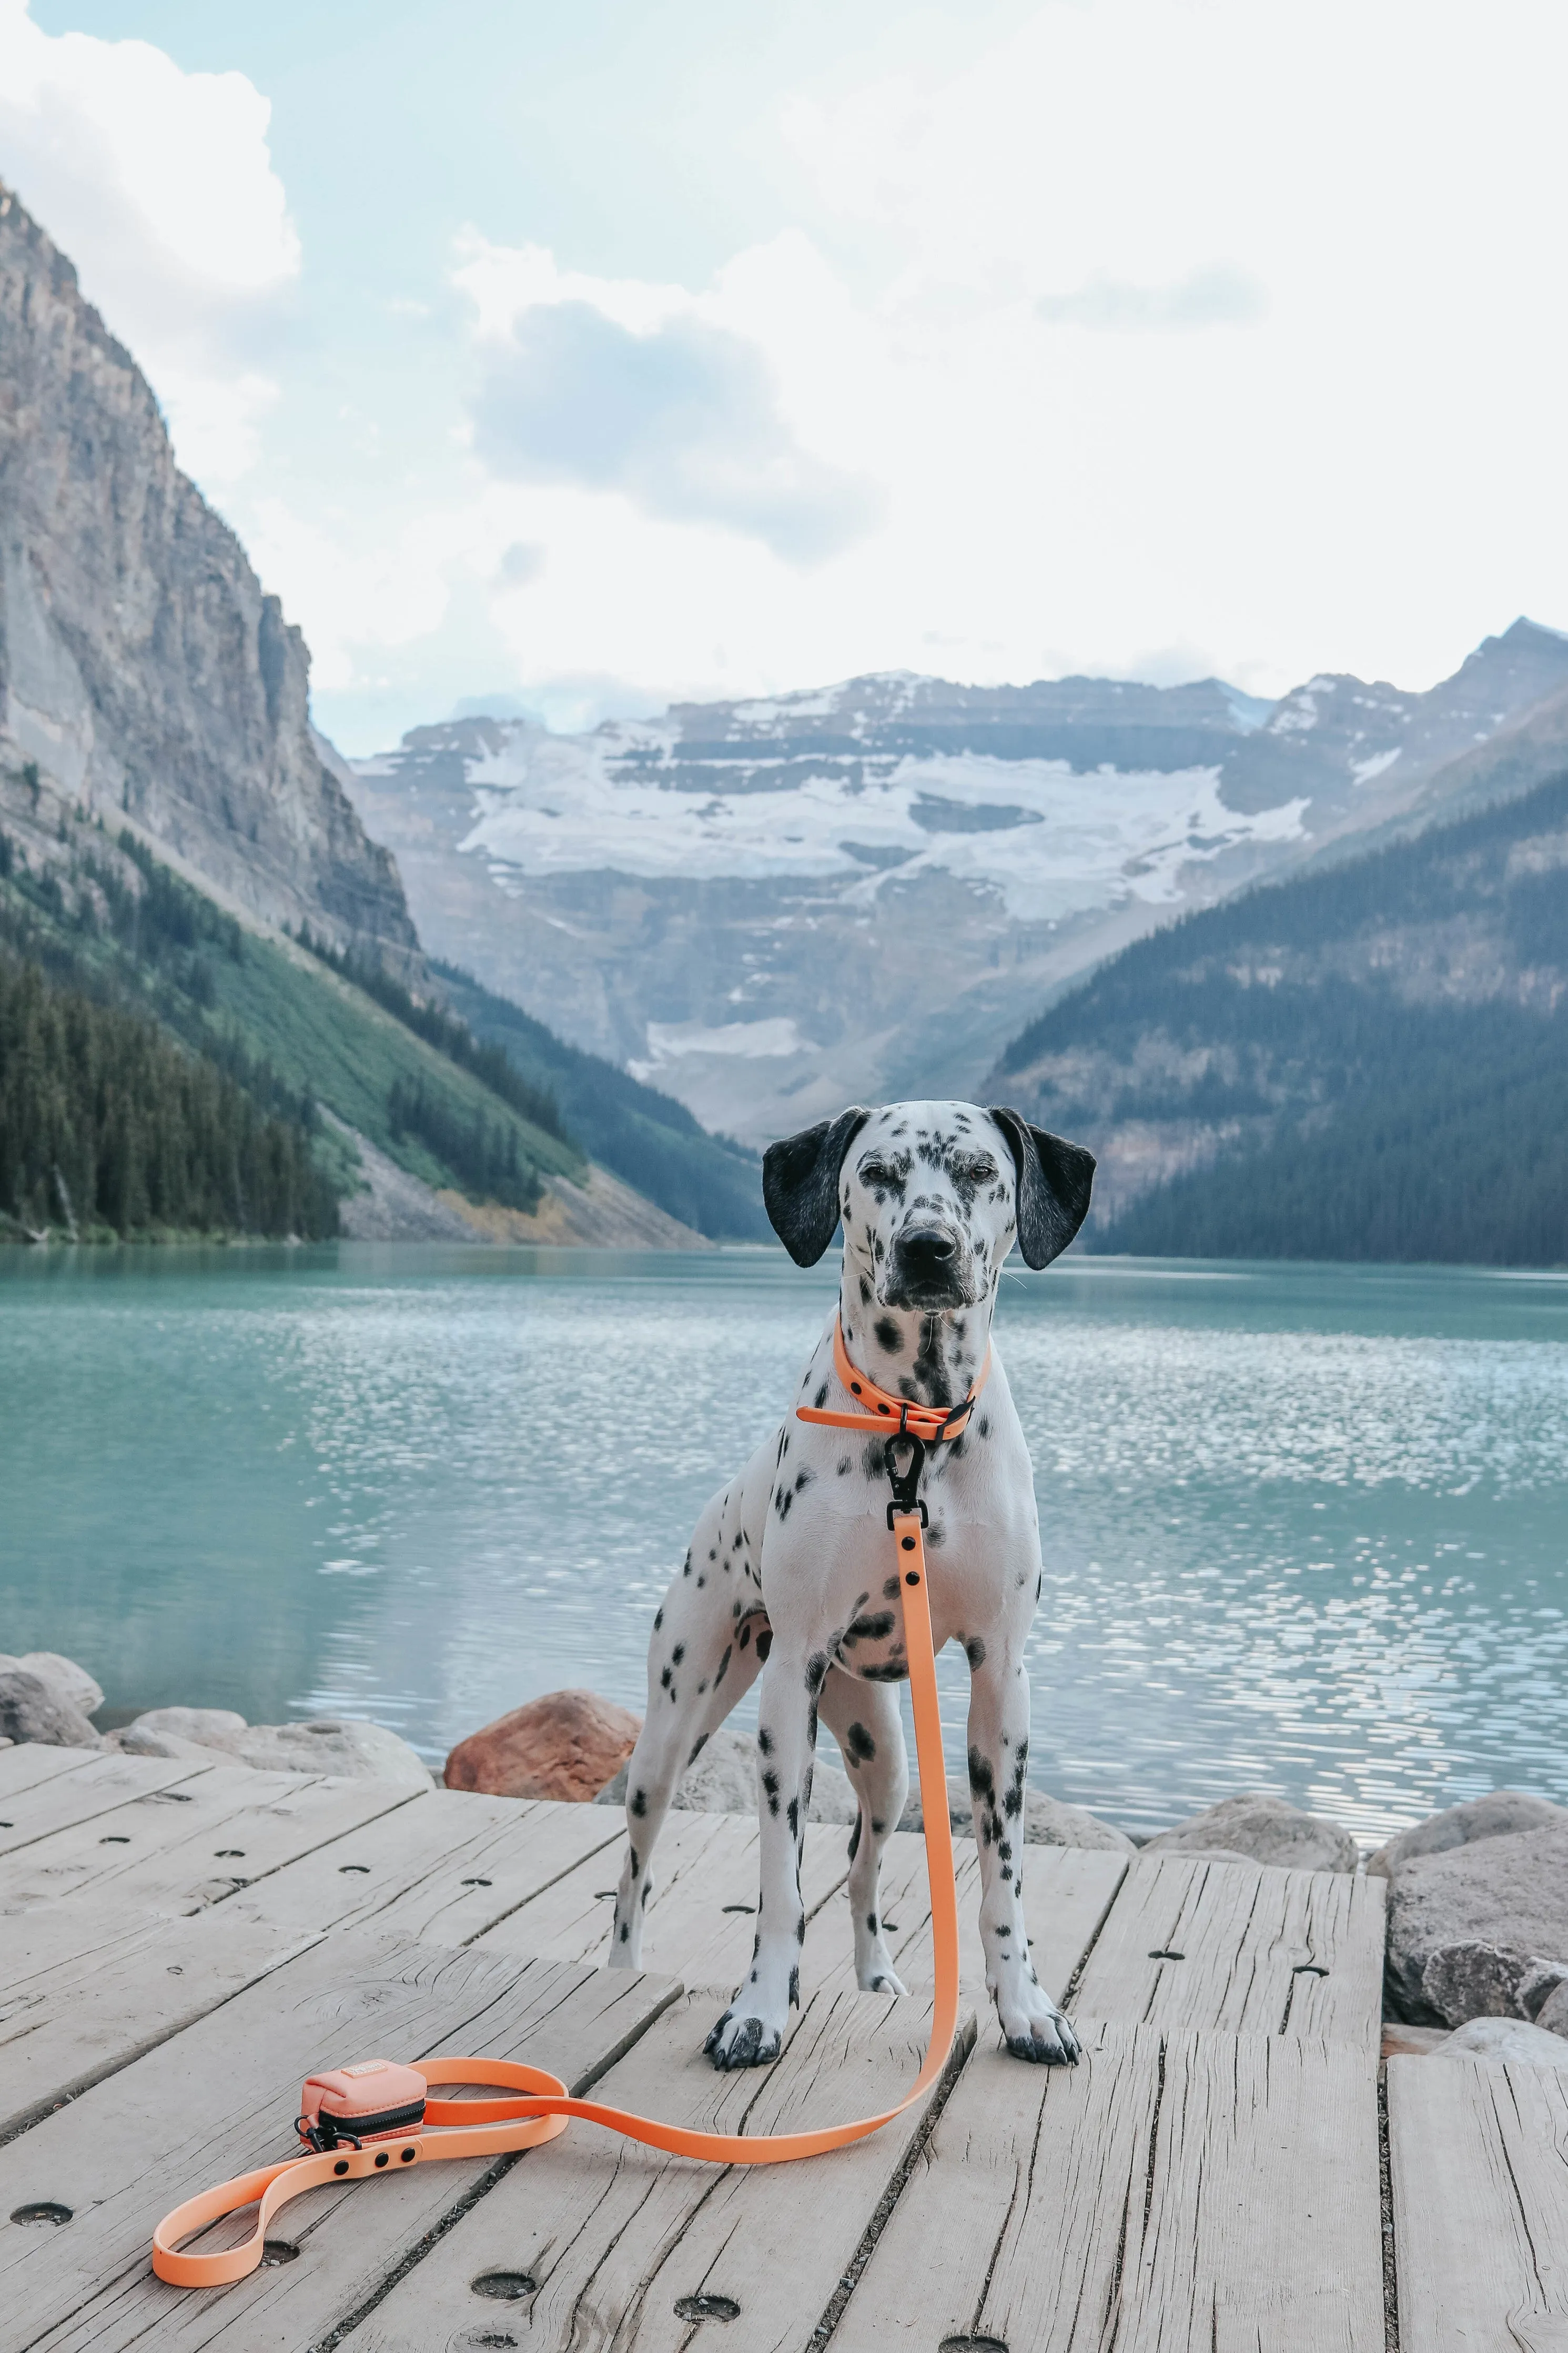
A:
[877,1172]
[981,1170]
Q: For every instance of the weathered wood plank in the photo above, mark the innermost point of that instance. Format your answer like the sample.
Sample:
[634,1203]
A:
[1261,1951]
[85,1989]
[218,2099]
[182,1850]
[28,1762]
[702,1917]
[1479,2159]
[442,1870]
[80,1792]
[615,2237]
[1175,2192]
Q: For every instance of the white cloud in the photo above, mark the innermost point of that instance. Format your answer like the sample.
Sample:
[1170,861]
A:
[159,186]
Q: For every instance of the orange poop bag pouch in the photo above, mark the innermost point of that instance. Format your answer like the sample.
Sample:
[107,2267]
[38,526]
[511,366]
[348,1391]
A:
[345,2106]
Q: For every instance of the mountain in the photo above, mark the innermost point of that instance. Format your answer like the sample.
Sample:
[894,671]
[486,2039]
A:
[141,664]
[770,908]
[187,894]
[1366,1061]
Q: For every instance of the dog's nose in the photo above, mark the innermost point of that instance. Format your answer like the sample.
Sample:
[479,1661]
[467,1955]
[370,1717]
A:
[927,1250]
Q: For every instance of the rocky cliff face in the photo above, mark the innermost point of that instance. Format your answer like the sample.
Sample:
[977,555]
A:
[140,665]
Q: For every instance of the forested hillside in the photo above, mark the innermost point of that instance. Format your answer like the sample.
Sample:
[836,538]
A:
[645,1137]
[1368,1062]
[102,919]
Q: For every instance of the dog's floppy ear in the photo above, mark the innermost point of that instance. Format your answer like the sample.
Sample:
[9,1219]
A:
[800,1183]
[1054,1182]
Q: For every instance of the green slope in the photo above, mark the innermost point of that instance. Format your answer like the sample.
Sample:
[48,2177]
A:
[107,919]
[647,1138]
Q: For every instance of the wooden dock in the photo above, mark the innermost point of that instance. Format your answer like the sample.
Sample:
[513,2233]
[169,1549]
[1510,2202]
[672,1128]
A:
[180,1946]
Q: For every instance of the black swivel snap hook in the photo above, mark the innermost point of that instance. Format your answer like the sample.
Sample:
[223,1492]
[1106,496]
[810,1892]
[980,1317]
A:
[904,1483]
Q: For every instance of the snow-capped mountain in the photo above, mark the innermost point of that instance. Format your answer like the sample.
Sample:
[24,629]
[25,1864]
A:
[770,908]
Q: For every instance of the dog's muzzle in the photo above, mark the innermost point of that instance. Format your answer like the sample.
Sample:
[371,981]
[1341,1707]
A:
[928,1267]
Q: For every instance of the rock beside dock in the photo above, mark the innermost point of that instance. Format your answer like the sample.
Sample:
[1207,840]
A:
[1258,1828]
[564,1746]
[344,1745]
[35,1706]
[1480,1929]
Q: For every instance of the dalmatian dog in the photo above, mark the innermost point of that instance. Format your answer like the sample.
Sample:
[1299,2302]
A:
[789,1574]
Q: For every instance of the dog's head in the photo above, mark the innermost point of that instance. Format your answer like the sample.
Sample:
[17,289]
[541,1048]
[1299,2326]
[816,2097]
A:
[932,1197]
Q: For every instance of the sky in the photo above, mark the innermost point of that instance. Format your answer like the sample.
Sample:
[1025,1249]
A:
[578,359]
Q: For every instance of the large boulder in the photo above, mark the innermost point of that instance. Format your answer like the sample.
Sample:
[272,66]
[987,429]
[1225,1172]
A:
[32,1709]
[1258,1828]
[1047,1822]
[1497,1815]
[342,1746]
[1480,1929]
[566,1744]
[63,1676]
[722,1780]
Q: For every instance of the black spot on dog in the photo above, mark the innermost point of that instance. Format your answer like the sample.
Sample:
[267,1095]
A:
[890,1589]
[701,1744]
[860,1745]
[764,1643]
[640,1803]
[877,1827]
[792,1815]
[816,1668]
[686,1571]
[974,1651]
[658,1620]
[980,1777]
[872,1922]
[625,1931]
[802,1479]
[855,1839]
[795,1988]
[744,1636]
[844,1466]
[820,1399]
[664,1679]
[875,1626]
[764,1740]
[983,1426]
[723,1667]
[887,1336]
[677,1655]
[771,1790]
[888,1672]
[635,1859]
[865,1288]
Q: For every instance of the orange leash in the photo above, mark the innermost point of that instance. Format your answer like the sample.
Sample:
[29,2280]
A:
[497,2128]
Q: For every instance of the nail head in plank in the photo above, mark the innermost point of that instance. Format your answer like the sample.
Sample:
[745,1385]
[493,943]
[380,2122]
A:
[219,2098]
[1261,1951]
[617,2238]
[1478,2167]
[1177,2190]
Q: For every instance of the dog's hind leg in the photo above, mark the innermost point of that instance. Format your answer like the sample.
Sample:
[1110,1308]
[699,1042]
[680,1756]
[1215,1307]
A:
[704,1657]
[864,1718]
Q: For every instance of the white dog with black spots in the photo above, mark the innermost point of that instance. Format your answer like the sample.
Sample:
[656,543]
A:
[790,1576]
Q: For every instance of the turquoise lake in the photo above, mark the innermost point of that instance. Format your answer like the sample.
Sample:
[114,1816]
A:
[1304,1528]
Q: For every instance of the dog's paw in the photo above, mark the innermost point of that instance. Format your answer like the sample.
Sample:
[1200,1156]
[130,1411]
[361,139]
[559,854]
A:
[741,2039]
[1034,2030]
[882,1978]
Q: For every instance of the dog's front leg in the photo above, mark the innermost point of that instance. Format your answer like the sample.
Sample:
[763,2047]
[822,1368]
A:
[998,1776]
[864,1718]
[751,2031]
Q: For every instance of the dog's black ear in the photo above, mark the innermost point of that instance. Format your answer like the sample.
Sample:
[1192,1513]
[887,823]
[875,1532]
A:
[800,1183]
[1054,1183]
